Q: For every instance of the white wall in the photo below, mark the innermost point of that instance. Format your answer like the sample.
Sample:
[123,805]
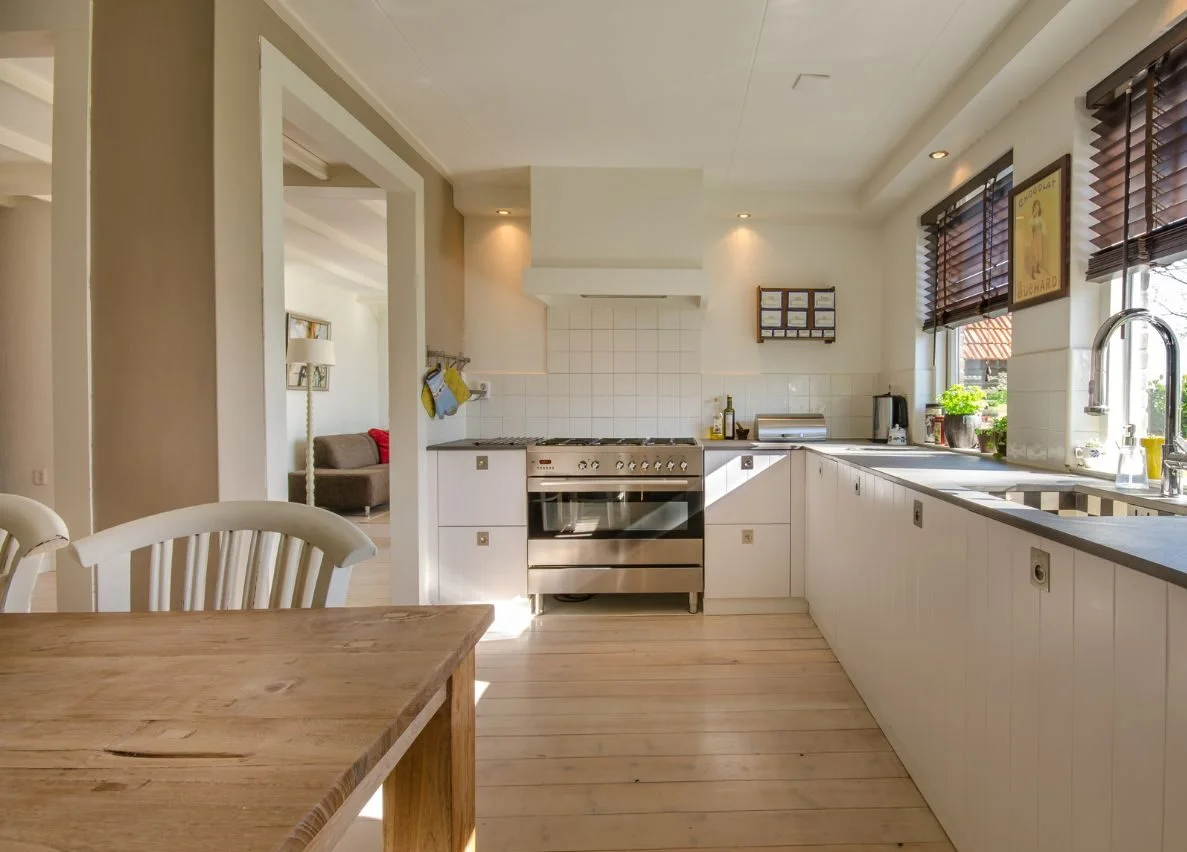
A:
[659,370]
[356,400]
[26,350]
[1048,380]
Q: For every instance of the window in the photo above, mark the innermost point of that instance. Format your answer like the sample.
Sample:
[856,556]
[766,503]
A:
[1139,194]
[967,257]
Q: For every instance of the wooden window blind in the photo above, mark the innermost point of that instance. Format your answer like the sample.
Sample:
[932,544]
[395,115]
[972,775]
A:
[1139,164]
[967,249]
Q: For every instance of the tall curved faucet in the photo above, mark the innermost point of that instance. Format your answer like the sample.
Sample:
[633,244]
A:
[1174,460]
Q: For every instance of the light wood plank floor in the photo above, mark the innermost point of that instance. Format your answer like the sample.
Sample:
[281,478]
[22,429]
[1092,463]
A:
[624,733]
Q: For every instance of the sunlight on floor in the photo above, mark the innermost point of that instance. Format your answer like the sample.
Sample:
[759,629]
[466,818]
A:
[512,618]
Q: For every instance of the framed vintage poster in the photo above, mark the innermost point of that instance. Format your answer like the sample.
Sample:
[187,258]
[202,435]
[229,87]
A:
[1040,209]
[299,325]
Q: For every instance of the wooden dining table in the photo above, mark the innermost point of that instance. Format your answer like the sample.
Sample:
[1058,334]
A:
[228,731]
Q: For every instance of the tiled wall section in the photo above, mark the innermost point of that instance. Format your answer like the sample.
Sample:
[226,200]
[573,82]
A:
[636,371]
[1048,391]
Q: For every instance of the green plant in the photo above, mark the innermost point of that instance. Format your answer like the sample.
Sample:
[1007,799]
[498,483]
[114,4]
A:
[959,400]
[996,396]
[984,430]
[999,429]
[1156,405]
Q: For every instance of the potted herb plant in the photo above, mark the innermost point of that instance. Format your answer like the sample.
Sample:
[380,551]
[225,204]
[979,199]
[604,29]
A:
[961,405]
[999,437]
[985,438]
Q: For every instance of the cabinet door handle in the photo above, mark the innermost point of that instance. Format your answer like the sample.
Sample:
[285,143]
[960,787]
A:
[481,463]
[857,487]
[483,539]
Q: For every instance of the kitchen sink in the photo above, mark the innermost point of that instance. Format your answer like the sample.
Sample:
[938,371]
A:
[1087,502]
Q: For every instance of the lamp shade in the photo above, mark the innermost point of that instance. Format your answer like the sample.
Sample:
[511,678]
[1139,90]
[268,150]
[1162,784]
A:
[310,350]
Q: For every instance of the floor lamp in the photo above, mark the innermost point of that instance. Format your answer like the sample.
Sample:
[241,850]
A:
[313,353]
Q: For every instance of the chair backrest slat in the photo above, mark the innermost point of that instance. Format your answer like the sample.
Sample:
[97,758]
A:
[29,533]
[266,555]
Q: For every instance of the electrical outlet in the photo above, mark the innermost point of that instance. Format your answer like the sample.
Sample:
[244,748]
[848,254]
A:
[918,514]
[747,462]
[41,477]
[747,536]
[1040,568]
[481,463]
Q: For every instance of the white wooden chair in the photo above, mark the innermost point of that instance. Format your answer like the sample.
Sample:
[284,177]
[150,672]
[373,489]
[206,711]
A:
[233,555]
[29,532]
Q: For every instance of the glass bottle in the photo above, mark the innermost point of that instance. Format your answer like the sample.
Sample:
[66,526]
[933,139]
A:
[1131,463]
[727,418]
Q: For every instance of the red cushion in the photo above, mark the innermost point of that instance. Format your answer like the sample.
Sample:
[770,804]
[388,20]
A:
[382,439]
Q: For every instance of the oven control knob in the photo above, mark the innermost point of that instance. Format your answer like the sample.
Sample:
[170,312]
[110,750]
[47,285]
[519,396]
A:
[582,465]
[620,464]
[646,464]
[671,465]
[683,465]
[595,464]
[632,465]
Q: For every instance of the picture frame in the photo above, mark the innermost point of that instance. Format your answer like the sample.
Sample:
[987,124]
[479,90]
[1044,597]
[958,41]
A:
[300,325]
[1040,236]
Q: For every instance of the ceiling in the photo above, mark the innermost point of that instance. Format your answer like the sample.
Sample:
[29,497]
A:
[338,236]
[490,86]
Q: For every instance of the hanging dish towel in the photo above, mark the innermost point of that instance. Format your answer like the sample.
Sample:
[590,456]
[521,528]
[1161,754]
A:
[456,383]
[427,397]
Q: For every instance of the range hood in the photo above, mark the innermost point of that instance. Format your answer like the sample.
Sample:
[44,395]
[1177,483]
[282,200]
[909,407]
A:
[617,234]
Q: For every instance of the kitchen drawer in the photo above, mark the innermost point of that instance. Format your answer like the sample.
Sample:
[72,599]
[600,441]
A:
[470,571]
[738,569]
[482,488]
[736,493]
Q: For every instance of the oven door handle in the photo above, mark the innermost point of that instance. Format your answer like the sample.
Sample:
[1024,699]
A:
[589,484]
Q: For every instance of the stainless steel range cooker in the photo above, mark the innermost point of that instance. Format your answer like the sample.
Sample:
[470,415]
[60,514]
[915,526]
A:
[615,515]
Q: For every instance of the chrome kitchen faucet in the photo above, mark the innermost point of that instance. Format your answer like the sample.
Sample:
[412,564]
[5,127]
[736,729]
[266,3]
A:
[1174,458]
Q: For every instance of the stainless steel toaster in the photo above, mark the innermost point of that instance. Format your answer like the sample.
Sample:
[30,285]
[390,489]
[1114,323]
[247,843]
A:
[790,428]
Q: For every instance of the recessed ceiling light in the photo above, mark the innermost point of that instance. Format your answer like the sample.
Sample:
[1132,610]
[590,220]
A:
[743,215]
[938,155]
[503,211]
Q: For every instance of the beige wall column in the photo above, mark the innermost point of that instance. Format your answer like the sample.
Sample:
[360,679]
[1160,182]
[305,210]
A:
[154,346]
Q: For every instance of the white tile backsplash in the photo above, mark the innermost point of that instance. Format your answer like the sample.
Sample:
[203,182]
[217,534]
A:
[637,371]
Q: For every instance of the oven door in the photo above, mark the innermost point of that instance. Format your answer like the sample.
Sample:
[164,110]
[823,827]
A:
[612,521]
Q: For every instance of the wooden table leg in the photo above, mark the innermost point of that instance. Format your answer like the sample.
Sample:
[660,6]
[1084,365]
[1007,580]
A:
[428,800]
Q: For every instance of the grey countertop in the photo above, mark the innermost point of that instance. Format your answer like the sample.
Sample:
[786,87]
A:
[482,444]
[1153,545]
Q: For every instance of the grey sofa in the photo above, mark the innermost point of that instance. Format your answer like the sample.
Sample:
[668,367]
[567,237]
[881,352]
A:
[347,475]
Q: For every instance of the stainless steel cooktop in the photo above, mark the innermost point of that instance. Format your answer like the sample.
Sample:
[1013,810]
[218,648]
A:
[615,457]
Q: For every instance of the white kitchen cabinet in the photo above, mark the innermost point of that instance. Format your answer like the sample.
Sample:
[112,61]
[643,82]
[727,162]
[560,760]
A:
[748,561]
[747,487]
[1030,718]
[482,488]
[820,506]
[482,564]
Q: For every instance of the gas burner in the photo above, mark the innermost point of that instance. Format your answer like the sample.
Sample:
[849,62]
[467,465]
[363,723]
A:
[617,442]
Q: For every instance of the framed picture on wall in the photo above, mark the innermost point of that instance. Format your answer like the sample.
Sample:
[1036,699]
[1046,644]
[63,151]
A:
[299,325]
[1040,209]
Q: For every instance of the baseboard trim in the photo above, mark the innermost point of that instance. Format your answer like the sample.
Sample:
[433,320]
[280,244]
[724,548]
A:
[754,606]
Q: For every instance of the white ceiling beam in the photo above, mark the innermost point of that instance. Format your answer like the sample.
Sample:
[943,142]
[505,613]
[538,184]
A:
[294,253]
[26,179]
[305,160]
[22,144]
[24,81]
[322,228]
[1040,39]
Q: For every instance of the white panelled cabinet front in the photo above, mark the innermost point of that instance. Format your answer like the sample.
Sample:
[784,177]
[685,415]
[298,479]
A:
[1032,718]
[747,561]
[483,564]
[482,488]
[482,526]
[753,537]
